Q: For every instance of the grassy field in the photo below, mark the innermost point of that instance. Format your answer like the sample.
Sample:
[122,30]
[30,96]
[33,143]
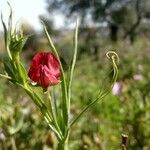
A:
[128,112]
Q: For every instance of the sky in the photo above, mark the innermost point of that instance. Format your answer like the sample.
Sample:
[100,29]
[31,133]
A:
[27,10]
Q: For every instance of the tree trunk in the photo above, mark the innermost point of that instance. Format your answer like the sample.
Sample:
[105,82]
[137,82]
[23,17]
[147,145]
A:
[114,32]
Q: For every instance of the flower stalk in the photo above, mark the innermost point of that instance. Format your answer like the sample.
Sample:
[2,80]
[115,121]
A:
[63,145]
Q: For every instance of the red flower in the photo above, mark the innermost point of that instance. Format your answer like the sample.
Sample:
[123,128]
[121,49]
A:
[45,69]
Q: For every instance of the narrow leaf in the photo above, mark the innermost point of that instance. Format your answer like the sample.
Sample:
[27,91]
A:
[8,69]
[72,63]
[63,83]
[10,19]
[6,37]
[5,29]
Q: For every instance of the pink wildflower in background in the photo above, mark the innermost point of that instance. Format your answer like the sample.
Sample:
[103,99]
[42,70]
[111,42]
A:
[117,88]
[137,77]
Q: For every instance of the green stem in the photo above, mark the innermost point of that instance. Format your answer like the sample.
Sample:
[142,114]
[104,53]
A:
[5,76]
[43,109]
[63,145]
[13,144]
[87,107]
[114,58]
[18,67]
[63,83]
[53,113]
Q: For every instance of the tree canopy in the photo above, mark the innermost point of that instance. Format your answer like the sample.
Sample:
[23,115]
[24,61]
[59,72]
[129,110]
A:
[117,14]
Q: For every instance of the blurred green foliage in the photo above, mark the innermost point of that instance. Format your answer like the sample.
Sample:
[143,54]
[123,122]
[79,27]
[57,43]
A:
[22,126]
[123,16]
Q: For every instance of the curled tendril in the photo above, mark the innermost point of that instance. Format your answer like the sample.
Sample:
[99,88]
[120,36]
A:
[115,60]
[113,55]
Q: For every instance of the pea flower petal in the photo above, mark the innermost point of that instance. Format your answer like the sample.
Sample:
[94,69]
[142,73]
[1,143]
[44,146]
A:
[45,69]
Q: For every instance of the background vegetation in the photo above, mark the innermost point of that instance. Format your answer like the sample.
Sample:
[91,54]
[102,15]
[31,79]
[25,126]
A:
[120,25]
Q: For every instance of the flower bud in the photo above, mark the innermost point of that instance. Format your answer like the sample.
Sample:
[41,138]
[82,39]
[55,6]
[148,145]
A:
[16,43]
